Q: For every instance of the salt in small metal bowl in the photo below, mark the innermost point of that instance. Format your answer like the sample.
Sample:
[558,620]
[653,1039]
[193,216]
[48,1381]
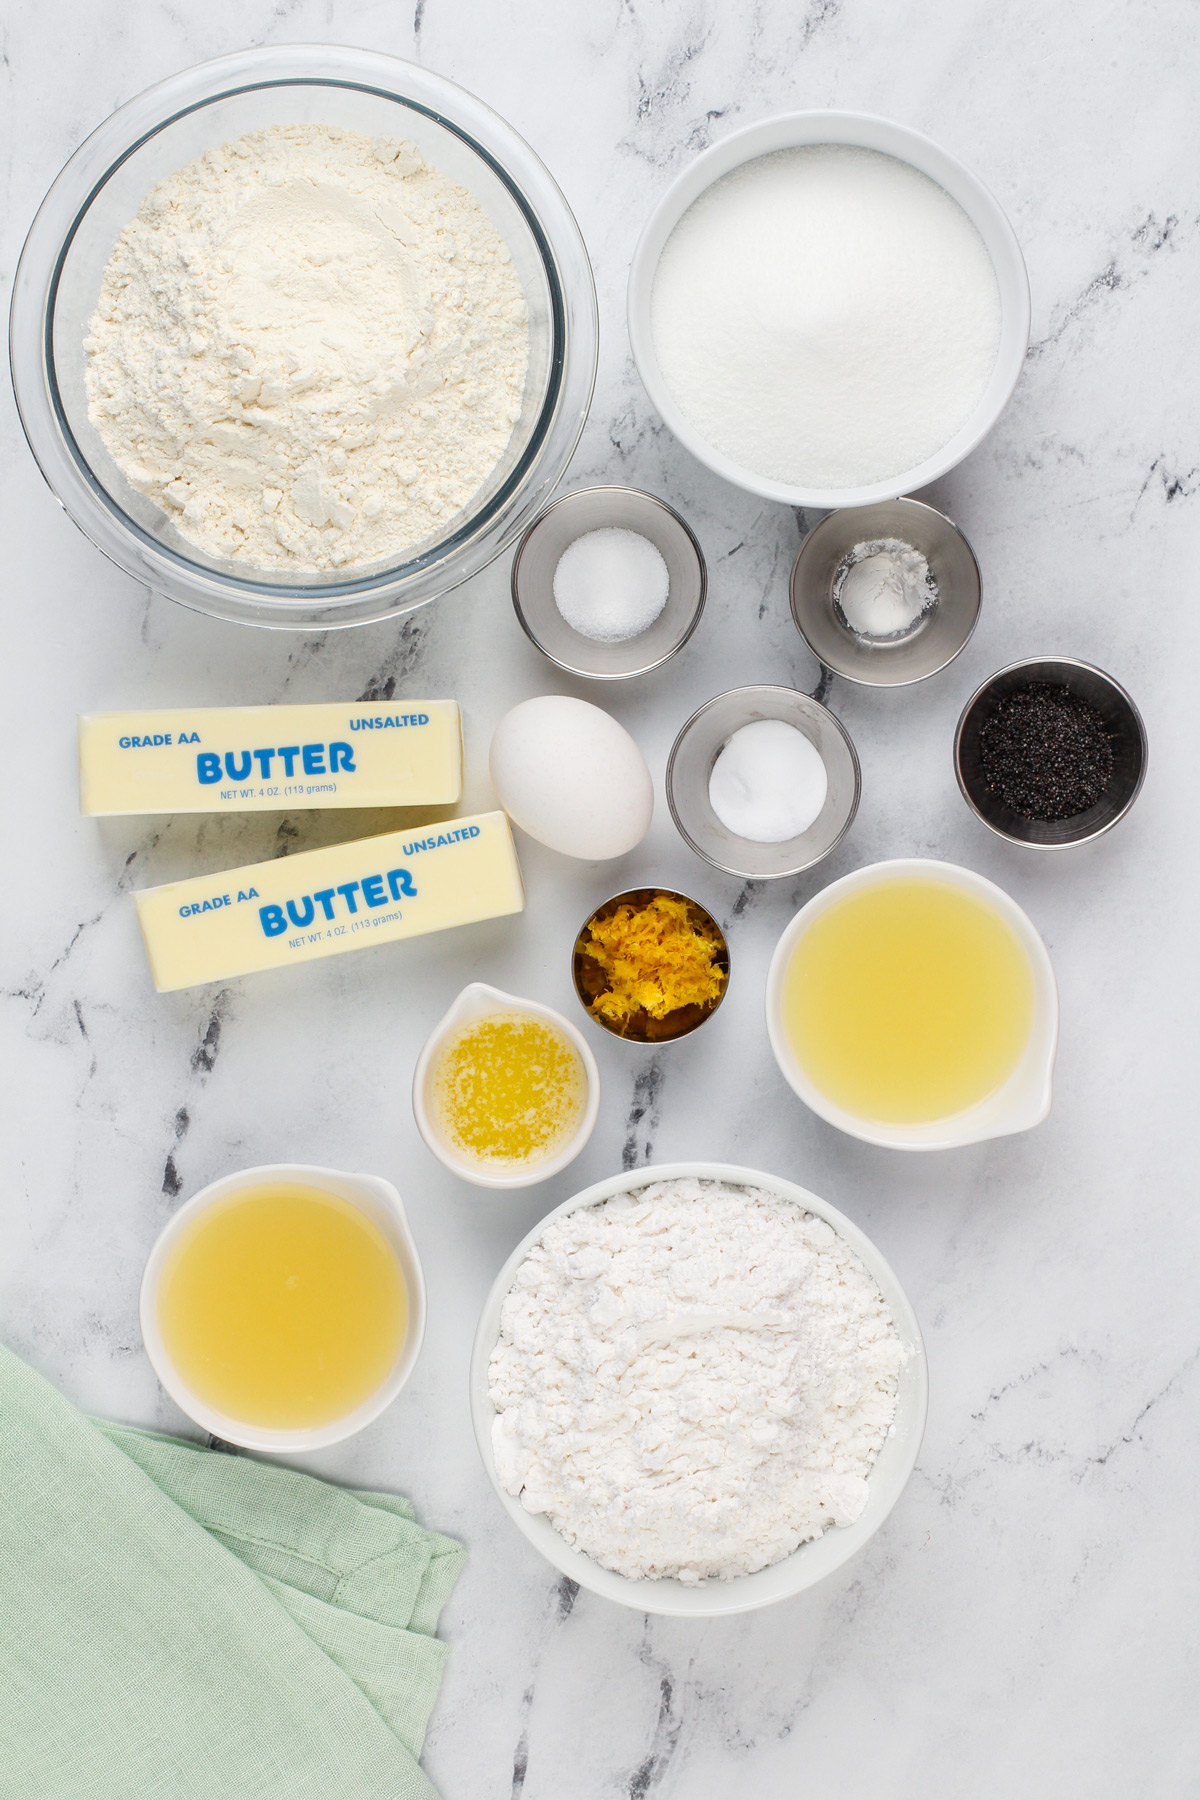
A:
[934,640]
[599,509]
[691,764]
[1127,735]
[584,971]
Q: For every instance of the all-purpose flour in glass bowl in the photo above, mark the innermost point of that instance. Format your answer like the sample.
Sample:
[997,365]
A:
[204,558]
[692,1379]
[826,316]
[310,347]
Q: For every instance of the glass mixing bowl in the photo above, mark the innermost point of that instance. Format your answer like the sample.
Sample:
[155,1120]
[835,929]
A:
[101,188]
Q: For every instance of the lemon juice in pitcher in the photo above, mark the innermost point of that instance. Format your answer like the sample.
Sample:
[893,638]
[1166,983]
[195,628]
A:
[283,1306]
[908,1000]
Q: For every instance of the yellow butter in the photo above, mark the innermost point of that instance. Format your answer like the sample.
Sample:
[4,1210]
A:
[259,758]
[321,902]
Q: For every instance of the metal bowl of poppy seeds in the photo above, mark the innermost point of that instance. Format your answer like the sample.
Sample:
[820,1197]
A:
[1050,752]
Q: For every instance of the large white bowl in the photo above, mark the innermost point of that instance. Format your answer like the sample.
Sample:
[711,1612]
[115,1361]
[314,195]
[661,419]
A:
[812,1561]
[1024,1099]
[381,1203]
[790,131]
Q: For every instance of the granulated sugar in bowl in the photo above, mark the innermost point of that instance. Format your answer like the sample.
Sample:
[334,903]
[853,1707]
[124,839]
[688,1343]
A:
[828,310]
[697,1389]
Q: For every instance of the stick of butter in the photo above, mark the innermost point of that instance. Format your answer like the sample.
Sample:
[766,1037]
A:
[321,902]
[259,758]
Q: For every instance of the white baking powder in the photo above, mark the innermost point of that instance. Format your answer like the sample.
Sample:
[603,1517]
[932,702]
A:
[309,348]
[692,1379]
[826,317]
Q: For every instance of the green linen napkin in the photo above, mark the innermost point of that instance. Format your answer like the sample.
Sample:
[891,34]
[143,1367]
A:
[181,1624]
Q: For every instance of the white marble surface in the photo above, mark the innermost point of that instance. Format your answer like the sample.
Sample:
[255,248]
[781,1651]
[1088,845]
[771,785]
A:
[1025,1623]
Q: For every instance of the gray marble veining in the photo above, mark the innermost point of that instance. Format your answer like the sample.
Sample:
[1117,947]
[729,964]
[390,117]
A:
[1025,1623]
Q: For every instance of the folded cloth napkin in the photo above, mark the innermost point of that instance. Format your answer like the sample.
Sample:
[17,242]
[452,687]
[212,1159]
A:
[181,1624]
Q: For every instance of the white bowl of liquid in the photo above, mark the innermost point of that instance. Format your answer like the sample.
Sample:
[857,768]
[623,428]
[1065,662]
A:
[384,1221]
[1017,1103]
[479,1001]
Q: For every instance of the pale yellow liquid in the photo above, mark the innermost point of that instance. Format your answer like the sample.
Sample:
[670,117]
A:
[508,1088]
[283,1306]
[908,1001]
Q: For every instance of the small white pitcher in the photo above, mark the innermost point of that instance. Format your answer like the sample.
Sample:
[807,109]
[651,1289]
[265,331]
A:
[477,1001]
[382,1204]
[1020,1103]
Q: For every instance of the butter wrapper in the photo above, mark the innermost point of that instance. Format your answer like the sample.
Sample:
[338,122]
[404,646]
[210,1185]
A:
[322,902]
[264,758]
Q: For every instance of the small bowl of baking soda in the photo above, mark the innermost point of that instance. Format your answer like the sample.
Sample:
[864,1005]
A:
[609,582]
[886,594]
[763,782]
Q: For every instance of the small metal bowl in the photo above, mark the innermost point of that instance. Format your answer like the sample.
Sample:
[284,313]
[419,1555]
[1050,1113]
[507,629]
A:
[937,637]
[598,509]
[677,1024]
[1129,747]
[700,743]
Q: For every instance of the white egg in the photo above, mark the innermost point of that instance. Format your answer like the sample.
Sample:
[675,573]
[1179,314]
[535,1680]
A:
[569,775]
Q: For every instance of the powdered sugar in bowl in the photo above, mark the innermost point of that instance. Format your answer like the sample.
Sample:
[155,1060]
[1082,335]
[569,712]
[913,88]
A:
[810,1397]
[303,410]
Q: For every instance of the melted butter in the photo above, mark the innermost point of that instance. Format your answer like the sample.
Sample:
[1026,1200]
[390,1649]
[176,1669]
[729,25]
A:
[507,1088]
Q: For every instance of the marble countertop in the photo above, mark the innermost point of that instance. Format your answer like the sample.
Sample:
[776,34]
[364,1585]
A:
[1024,1624]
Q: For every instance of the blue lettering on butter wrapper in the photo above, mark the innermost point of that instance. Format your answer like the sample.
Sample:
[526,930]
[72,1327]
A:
[236,765]
[214,904]
[442,840]
[302,911]
[392,722]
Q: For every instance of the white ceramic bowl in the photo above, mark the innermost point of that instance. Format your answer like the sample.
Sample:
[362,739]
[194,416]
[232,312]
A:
[476,1001]
[1022,1102]
[789,131]
[382,1204]
[812,1561]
